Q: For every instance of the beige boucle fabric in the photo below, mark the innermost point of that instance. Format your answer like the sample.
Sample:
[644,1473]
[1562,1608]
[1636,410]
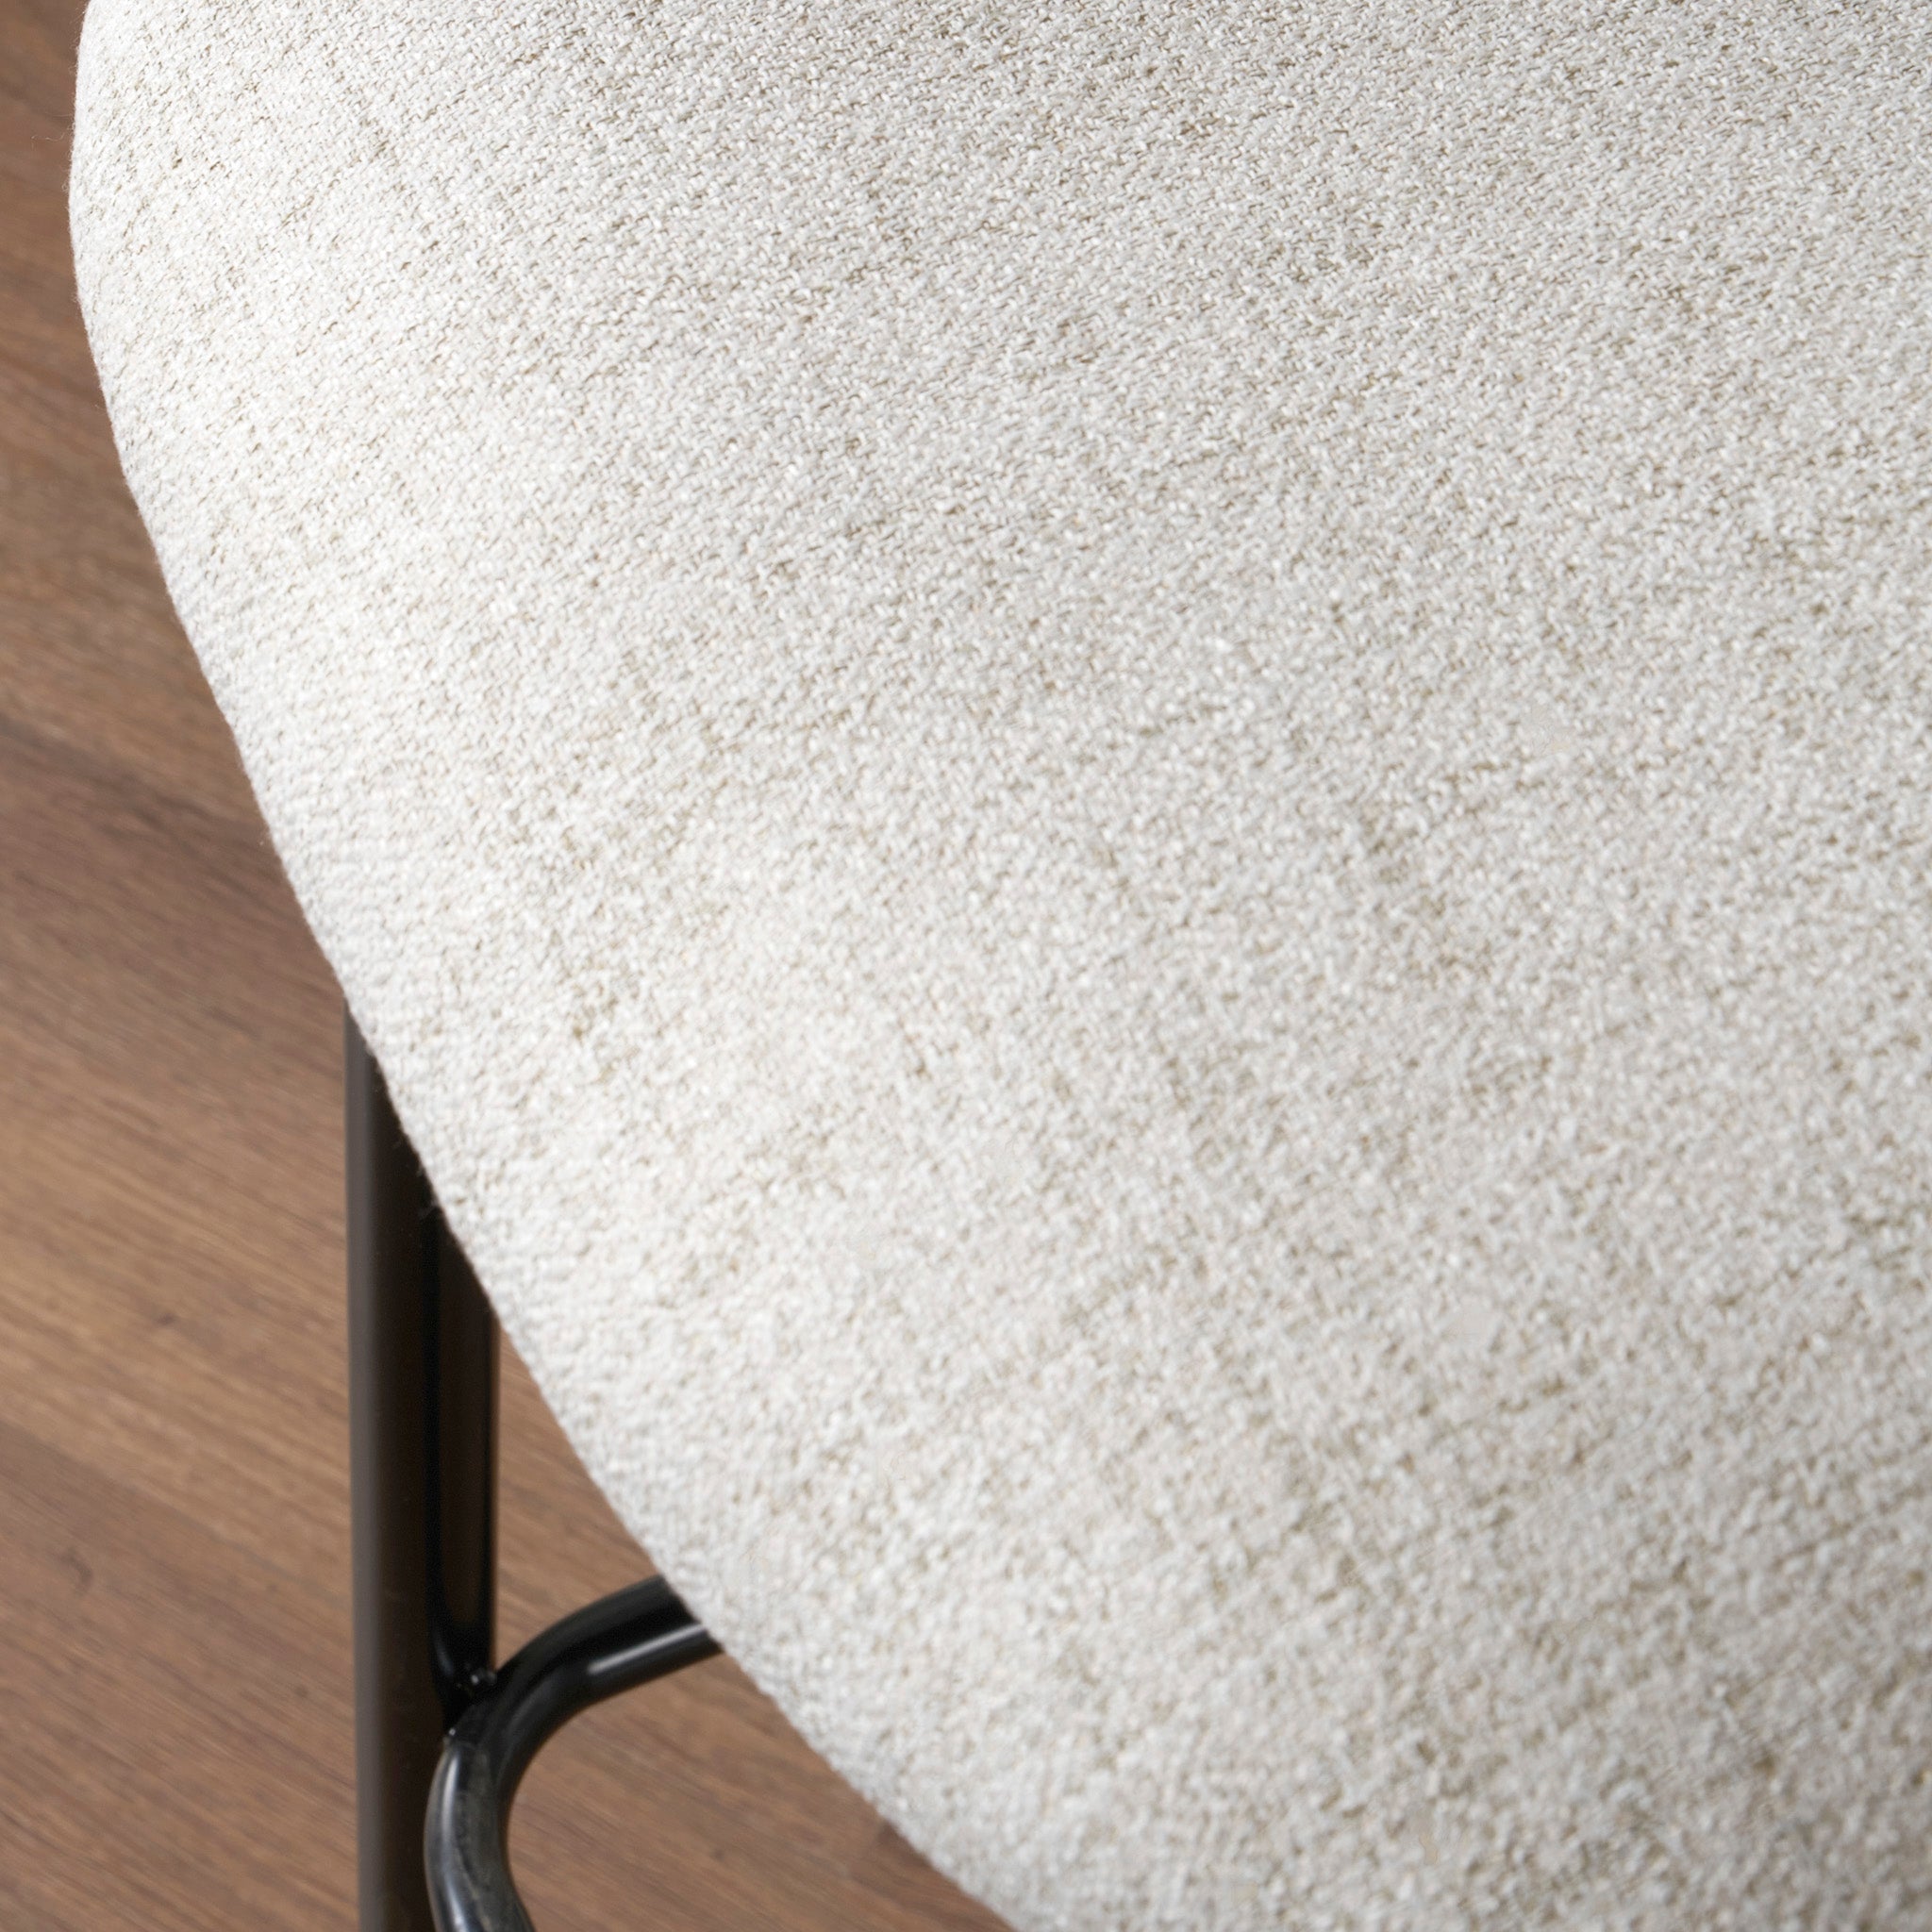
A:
[1135,800]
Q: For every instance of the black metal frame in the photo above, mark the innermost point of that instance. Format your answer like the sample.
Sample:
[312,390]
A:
[442,1739]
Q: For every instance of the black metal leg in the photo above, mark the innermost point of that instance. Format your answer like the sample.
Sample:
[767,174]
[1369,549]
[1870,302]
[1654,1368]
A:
[422,1348]
[429,1711]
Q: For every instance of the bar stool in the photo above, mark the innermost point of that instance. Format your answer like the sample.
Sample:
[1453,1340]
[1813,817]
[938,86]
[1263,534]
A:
[1132,805]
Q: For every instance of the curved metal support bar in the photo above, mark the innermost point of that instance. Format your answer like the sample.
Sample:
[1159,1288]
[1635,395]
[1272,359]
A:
[611,1645]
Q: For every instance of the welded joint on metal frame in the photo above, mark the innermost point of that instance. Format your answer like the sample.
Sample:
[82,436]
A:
[613,1645]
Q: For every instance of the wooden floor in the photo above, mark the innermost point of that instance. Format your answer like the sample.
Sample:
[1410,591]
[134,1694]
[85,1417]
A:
[174,1744]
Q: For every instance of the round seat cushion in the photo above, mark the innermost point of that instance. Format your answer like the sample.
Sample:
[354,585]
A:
[1134,801]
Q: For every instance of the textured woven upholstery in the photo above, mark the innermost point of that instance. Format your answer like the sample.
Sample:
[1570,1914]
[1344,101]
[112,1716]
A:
[1134,801]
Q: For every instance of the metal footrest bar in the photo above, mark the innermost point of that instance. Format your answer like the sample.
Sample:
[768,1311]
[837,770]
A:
[612,1645]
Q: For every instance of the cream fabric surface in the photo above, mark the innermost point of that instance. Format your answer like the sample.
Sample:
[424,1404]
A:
[1134,801]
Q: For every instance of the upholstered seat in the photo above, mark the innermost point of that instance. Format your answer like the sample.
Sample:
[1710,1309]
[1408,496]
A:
[1136,802]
